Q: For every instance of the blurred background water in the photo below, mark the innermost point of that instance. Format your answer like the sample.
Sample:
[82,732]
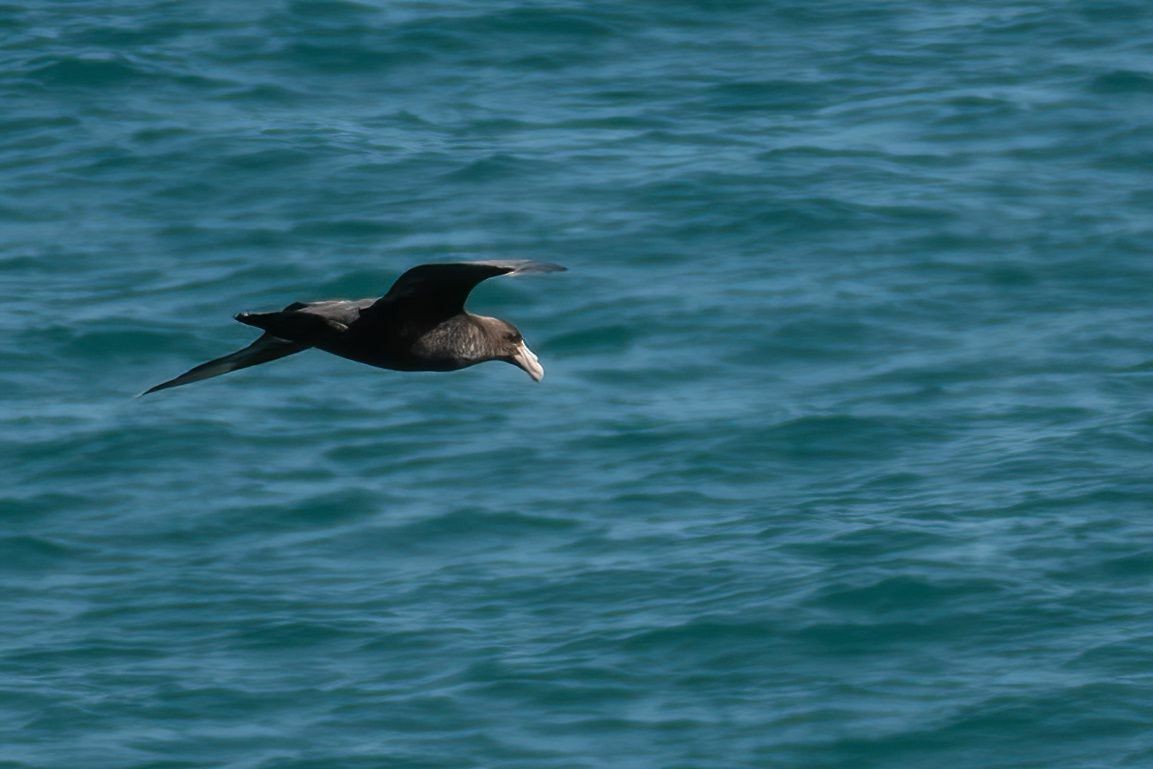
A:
[843,454]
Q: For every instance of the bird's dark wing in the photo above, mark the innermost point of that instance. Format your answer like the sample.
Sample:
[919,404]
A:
[306,322]
[263,350]
[442,289]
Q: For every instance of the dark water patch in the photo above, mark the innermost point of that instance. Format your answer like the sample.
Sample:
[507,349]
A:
[29,553]
[874,637]
[294,635]
[497,168]
[316,512]
[93,453]
[162,134]
[467,528]
[13,214]
[91,651]
[262,93]
[436,39]
[1133,567]
[1121,13]
[816,338]
[666,502]
[666,136]
[912,596]
[543,691]
[356,229]
[347,9]
[342,58]
[803,155]
[181,705]
[12,15]
[267,160]
[766,95]
[409,760]
[969,115]
[593,341]
[88,72]
[1113,656]
[1122,82]
[80,346]
[38,507]
[129,342]
[833,437]
[14,124]
[109,71]
[704,636]
[548,22]
[200,238]
[541,63]
[135,34]
[869,543]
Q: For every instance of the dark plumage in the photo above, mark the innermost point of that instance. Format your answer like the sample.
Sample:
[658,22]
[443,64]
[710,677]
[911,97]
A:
[419,325]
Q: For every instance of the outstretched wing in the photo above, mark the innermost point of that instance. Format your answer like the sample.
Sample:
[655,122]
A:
[263,350]
[442,289]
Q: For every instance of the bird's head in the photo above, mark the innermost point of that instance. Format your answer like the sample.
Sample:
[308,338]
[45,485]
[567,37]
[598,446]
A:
[512,349]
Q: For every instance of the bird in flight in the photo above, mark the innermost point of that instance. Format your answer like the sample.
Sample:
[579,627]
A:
[419,325]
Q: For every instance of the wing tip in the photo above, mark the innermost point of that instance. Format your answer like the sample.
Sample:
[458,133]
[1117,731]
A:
[528,265]
[156,388]
[515,266]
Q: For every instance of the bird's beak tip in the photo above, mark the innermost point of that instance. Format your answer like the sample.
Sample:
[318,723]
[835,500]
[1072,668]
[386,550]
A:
[526,360]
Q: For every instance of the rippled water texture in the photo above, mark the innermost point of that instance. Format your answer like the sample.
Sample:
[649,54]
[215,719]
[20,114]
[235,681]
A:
[843,454]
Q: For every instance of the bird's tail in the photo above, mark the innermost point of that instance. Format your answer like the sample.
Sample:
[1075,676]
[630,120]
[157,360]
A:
[263,350]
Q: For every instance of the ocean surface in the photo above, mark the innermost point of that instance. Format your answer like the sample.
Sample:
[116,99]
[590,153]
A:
[844,456]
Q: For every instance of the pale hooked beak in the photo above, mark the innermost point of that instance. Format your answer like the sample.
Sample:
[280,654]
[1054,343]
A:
[527,360]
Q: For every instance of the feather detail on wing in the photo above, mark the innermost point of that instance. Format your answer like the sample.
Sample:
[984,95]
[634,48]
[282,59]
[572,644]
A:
[266,348]
[443,287]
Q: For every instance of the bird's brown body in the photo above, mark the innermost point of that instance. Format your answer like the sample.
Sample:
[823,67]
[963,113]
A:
[419,325]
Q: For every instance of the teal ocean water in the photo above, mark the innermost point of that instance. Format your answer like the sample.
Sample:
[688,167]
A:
[844,453]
